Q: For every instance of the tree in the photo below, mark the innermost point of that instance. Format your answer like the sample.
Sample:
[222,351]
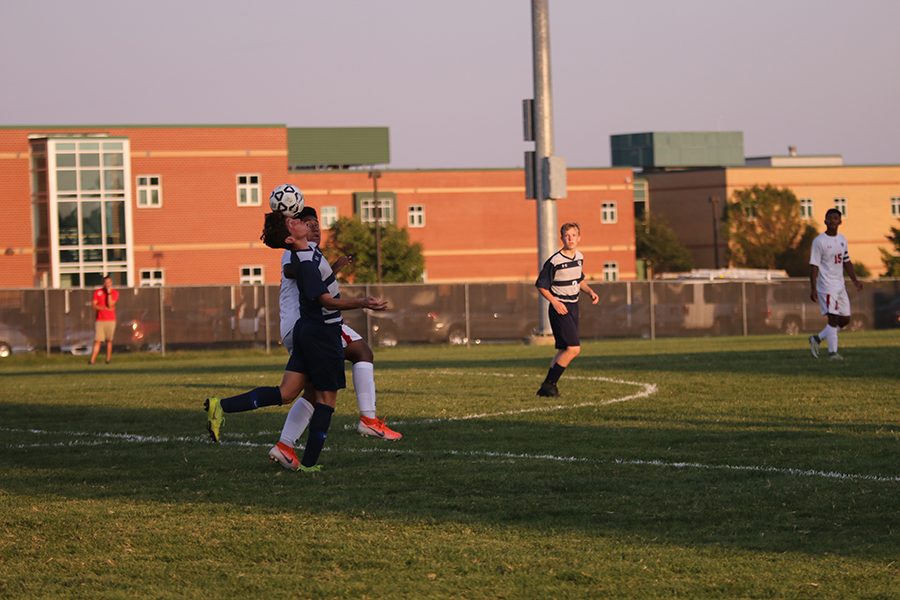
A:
[764,228]
[657,244]
[795,260]
[401,260]
[892,261]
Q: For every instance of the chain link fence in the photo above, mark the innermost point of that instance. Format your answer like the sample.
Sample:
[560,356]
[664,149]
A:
[170,318]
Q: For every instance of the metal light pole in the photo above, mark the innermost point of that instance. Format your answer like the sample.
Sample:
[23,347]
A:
[543,144]
[714,202]
[374,175]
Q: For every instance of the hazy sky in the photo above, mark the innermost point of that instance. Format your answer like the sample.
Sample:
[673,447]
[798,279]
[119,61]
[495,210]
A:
[448,77]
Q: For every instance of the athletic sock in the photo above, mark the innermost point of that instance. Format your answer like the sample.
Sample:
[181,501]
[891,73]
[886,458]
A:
[832,339]
[255,398]
[296,421]
[318,432]
[364,386]
[554,374]
[823,335]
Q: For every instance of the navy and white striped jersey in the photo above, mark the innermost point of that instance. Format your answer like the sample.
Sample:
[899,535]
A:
[562,275]
[314,277]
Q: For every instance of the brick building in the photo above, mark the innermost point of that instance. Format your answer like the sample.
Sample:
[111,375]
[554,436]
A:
[688,177]
[183,205]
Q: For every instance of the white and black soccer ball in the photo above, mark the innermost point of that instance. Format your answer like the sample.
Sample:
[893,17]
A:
[286,199]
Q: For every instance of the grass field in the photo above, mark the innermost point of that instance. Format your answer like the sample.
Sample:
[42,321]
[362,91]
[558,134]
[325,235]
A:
[694,468]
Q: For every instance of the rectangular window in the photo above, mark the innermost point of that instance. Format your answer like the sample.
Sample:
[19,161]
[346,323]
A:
[608,213]
[249,190]
[327,216]
[365,207]
[149,191]
[895,206]
[416,215]
[806,208]
[841,205]
[610,271]
[152,278]
[252,275]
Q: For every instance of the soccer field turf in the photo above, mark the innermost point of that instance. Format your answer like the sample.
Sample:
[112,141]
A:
[696,468]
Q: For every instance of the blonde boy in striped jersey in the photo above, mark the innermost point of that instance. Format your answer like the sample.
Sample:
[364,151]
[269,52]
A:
[560,281]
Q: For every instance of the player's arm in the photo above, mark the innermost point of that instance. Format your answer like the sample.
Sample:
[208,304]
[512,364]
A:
[559,307]
[332,303]
[584,287]
[341,262]
[851,273]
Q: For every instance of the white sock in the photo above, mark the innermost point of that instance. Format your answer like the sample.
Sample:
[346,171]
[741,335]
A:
[296,422]
[823,335]
[364,384]
[832,339]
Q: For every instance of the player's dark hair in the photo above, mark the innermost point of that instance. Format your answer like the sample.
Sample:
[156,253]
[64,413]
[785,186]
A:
[833,210]
[275,231]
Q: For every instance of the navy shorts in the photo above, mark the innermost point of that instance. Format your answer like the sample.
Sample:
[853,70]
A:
[319,355]
[565,327]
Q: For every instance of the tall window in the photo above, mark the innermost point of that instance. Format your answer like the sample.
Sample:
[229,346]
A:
[252,275]
[248,190]
[416,215]
[152,278]
[608,212]
[149,191]
[610,271]
[895,206]
[841,205]
[327,216]
[806,208]
[87,183]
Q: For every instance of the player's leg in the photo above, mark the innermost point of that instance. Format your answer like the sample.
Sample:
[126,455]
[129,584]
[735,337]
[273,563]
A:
[565,334]
[318,429]
[292,383]
[358,352]
[295,424]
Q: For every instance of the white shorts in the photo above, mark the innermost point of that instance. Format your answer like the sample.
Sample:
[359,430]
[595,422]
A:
[348,336]
[834,303]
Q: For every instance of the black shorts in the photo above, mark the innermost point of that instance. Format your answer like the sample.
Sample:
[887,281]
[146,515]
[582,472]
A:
[565,327]
[319,355]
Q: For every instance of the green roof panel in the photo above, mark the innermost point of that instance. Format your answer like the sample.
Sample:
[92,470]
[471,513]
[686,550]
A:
[320,147]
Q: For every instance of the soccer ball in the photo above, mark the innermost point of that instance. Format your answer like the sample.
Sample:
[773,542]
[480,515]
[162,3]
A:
[286,199]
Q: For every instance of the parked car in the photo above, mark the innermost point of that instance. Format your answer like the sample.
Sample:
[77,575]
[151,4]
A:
[13,341]
[788,309]
[887,311]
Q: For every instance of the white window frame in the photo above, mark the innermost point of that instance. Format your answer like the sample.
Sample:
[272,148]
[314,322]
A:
[610,271]
[248,189]
[144,189]
[252,275]
[806,208]
[152,278]
[609,212]
[367,210]
[895,206]
[840,203]
[328,215]
[415,215]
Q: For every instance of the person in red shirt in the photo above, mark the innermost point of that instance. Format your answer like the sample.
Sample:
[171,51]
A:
[104,303]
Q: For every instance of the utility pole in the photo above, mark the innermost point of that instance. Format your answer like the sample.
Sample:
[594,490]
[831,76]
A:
[714,202]
[546,173]
[374,175]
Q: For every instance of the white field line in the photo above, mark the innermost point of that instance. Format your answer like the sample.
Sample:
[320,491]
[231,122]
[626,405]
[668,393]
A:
[106,438]
[646,389]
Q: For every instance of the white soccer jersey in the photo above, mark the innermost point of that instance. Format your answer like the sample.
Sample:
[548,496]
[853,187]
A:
[829,253]
[288,299]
